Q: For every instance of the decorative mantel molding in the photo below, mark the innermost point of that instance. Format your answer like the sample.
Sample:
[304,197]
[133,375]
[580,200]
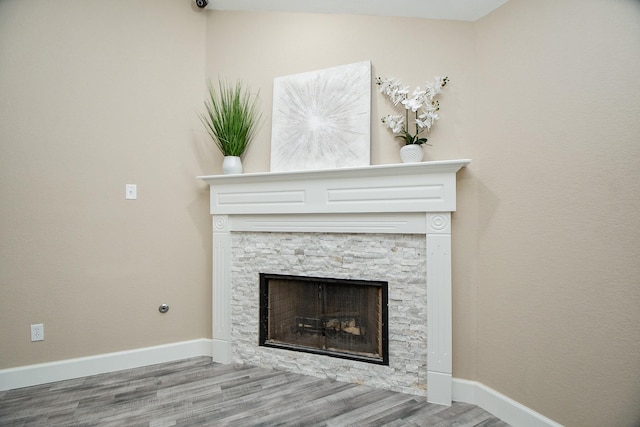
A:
[415,198]
[413,187]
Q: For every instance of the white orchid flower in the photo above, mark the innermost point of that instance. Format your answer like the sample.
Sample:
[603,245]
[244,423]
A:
[394,122]
[423,123]
[426,118]
[416,101]
[399,94]
[388,86]
[412,104]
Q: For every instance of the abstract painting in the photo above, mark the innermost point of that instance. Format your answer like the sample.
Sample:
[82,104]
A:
[322,119]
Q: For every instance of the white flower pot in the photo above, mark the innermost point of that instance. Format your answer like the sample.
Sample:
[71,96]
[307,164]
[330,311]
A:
[411,153]
[231,165]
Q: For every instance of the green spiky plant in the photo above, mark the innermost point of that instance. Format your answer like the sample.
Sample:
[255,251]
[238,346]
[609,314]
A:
[232,117]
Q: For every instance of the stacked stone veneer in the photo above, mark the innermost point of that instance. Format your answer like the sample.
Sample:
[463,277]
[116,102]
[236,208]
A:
[399,259]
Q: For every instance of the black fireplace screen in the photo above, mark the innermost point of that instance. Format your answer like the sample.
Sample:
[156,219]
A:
[336,317]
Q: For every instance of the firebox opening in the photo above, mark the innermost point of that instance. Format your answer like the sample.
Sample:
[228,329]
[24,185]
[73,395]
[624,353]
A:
[334,317]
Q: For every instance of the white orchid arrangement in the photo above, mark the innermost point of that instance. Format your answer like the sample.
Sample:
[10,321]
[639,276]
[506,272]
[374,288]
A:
[422,103]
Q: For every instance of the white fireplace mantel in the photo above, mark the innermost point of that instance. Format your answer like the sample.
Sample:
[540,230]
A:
[415,198]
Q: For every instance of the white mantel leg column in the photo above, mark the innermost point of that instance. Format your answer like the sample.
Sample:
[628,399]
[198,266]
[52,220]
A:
[439,327]
[221,313]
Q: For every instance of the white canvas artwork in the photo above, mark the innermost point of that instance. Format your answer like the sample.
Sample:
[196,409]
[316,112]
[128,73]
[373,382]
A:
[322,119]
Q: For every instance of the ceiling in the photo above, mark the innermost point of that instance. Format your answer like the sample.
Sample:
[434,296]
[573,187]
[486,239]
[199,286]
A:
[461,10]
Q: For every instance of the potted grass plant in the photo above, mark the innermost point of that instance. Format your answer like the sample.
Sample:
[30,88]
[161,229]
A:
[231,118]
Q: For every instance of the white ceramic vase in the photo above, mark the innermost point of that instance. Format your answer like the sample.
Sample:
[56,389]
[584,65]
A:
[231,165]
[411,153]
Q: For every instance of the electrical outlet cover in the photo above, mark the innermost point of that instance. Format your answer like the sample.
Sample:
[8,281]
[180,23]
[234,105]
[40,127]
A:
[37,332]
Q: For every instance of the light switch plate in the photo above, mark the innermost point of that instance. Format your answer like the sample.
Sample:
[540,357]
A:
[131,192]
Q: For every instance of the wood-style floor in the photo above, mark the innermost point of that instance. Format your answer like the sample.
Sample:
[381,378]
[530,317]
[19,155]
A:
[196,392]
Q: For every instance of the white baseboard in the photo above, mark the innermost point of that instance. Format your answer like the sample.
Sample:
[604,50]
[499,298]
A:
[508,410]
[24,376]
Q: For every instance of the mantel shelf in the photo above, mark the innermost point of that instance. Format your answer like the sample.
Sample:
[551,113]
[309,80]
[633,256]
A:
[409,187]
[398,169]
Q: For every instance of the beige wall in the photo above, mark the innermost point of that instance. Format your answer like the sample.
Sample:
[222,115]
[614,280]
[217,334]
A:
[559,195]
[95,95]
[543,99]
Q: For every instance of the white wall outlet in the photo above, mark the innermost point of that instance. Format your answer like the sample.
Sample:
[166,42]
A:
[131,192]
[37,332]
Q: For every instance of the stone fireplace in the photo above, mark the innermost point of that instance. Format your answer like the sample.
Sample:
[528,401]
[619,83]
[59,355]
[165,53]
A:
[387,224]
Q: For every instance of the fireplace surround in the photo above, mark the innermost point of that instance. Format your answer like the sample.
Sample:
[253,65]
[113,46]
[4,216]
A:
[403,205]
